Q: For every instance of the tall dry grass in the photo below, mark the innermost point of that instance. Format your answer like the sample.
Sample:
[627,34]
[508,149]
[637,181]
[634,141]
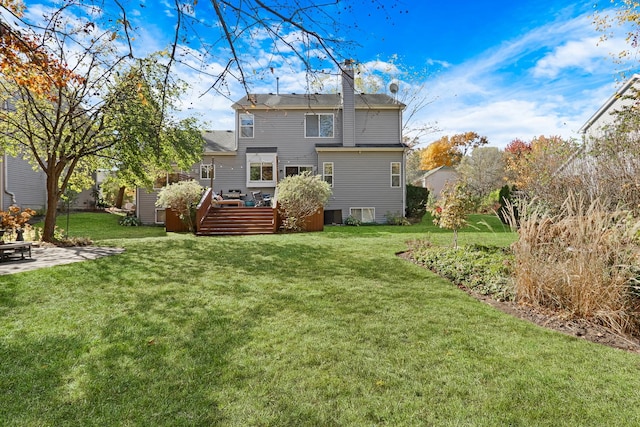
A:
[583,260]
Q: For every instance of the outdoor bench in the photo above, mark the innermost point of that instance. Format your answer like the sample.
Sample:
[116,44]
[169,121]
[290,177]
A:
[13,248]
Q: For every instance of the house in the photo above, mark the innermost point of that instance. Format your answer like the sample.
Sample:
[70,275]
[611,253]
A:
[21,185]
[354,141]
[598,125]
[604,118]
[436,179]
[26,187]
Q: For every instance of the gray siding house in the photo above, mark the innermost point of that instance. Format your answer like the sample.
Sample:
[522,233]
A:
[354,141]
[21,185]
[436,179]
[601,122]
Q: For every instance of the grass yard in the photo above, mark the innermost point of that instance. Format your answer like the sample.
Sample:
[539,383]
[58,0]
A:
[317,329]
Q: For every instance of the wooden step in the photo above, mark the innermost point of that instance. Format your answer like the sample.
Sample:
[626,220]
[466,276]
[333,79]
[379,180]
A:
[237,221]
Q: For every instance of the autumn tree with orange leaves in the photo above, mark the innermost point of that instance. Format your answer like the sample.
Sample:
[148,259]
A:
[93,106]
[532,167]
[448,151]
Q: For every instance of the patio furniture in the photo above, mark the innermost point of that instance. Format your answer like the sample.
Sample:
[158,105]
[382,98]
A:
[259,199]
[13,248]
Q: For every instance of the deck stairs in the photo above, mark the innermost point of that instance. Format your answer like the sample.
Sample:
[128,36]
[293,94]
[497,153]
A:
[228,221]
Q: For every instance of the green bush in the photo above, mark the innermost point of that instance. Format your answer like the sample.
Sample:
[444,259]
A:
[396,219]
[182,197]
[299,197]
[484,269]
[416,201]
[504,199]
[353,221]
[130,221]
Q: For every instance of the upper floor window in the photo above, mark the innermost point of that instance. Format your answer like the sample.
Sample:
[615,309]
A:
[246,125]
[318,125]
[395,174]
[207,171]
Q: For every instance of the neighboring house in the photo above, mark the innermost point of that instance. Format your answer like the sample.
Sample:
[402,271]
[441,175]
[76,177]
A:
[604,118]
[218,157]
[354,141]
[21,185]
[601,122]
[436,179]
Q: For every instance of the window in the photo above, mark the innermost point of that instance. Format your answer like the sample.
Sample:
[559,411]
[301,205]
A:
[327,172]
[318,125]
[363,214]
[261,169]
[207,171]
[395,174]
[246,125]
[160,216]
[296,170]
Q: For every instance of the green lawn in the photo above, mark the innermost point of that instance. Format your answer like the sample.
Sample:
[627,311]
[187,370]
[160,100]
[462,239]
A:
[317,329]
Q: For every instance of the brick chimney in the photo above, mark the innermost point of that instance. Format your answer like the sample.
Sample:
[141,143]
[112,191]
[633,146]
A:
[348,105]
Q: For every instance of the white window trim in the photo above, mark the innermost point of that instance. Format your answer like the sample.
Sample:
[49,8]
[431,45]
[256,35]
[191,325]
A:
[373,211]
[332,175]
[207,167]
[262,158]
[333,125]
[253,125]
[399,174]
[155,216]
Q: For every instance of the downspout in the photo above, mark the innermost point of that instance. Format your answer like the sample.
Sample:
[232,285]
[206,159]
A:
[403,175]
[5,182]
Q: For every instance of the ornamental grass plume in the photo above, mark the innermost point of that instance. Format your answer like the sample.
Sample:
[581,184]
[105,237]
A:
[582,260]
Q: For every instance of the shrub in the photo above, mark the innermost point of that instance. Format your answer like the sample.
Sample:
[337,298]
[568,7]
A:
[396,219]
[484,269]
[130,221]
[182,197]
[580,260]
[299,197]
[416,201]
[351,220]
[505,200]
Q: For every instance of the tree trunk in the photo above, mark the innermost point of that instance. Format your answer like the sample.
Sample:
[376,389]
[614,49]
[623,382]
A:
[52,208]
[120,197]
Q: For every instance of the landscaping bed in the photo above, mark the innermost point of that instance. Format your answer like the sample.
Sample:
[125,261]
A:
[483,272]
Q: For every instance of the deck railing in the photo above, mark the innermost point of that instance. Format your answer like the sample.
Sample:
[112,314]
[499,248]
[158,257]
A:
[203,207]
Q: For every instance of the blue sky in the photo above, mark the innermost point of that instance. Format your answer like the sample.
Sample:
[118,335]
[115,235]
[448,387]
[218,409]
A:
[504,69]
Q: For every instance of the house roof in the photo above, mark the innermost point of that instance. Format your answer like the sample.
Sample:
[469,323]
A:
[443,168]
[306,101]
[607,105]
[219,141]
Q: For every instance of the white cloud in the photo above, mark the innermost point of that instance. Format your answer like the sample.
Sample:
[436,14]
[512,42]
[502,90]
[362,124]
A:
[496,95]
[585,54]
